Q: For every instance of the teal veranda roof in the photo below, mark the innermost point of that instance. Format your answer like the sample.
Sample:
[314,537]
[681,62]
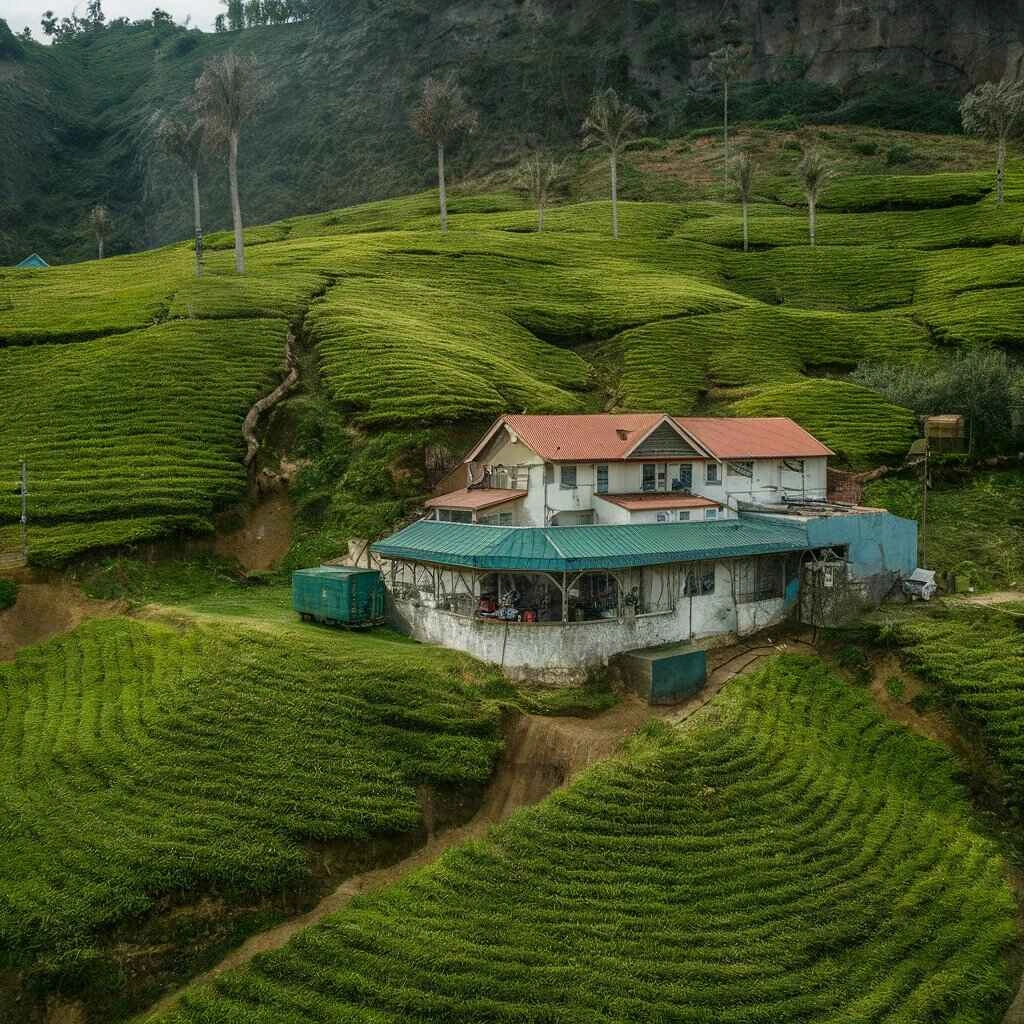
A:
[575,548]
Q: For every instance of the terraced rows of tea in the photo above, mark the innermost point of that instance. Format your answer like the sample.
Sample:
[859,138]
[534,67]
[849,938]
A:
[141,763]
[975,656]
[128,378]
[788,856]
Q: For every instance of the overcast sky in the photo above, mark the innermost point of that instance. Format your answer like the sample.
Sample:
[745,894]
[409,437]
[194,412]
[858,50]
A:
[19,13]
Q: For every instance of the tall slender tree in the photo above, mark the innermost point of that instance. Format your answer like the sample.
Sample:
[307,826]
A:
[442,115]
[725,66]
[610,124]
[100,222]
[537,176]
[228,93]
[743,175]
[182,140]
[995,110]
[815,173]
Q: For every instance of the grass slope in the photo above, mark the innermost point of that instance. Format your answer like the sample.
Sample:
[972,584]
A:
[141,761]
[975,656]
[415,328]
[791,857]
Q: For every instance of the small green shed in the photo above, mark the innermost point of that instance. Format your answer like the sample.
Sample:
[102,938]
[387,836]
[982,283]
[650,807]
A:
[339,595]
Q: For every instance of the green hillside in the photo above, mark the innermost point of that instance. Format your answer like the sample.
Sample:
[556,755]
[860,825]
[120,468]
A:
[790,856]
[126,381]
[145,766]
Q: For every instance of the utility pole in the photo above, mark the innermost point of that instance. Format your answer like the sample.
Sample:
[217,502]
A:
[924,510]
[24,510]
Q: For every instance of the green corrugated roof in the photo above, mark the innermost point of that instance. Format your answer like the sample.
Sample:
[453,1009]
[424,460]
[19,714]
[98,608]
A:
[572,548]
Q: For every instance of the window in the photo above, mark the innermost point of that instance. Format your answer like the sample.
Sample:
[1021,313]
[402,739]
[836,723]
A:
[741,469]
[454,515]
[601,479]
[662,477]
[568,478]
[496,519]
[711,513]
[649,477]
[712,473]
[684,478]
[793,465]
[684,515]
[549,473]
[759,579]
[664,517]
[700,579]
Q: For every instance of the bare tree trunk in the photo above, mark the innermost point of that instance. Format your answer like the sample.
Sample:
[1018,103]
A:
[198,223]
[236,209]
[746,226]
[1000,168]
[615,195]
[540,215]
[442,187]
[812,203]
[99,245]
[725,132]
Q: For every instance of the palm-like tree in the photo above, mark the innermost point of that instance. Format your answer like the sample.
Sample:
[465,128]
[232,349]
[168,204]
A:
[610,124]
[536,177]
[815,173]
[994,110]
[441,115]
[182,140]
[102,226]
[743,175]
[725,65]
[228,93]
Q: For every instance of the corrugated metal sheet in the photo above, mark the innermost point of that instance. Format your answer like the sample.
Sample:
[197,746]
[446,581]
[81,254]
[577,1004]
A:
[573,548]
[481,498]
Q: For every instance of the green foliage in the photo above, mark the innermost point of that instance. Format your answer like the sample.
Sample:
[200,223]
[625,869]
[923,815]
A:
[975,656]
[141,762]
[895,687]
[854,660]
[849,418]
[167,581]
[974,525]
[8,594]
[789,857]
[899,153]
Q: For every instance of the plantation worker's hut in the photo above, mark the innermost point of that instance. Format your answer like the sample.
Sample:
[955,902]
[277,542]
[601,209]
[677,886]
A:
[650,533]
[33,262]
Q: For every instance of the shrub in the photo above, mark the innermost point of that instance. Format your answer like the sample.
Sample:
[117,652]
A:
[8,594]
[855,661]
[900,153]
[865,148]
[895,687]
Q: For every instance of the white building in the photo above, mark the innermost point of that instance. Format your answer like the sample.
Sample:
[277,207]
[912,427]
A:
[571,539]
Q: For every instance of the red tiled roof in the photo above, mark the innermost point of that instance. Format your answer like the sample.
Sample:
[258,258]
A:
[478,498]
[609,437]
[753,437]
[639,502]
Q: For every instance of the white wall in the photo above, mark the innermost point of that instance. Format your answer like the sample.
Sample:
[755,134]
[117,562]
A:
[565,652]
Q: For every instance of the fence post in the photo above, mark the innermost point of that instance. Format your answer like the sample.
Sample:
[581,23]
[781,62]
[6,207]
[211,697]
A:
[24,511]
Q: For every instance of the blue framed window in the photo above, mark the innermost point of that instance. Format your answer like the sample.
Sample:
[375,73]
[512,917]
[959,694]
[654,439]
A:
[601,479]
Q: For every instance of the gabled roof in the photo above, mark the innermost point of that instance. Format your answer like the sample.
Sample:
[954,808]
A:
[475,500]
[33,261]
[577,548]
[610,437]
[657,500]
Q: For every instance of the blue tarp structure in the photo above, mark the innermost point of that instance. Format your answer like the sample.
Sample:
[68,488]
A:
[33,262]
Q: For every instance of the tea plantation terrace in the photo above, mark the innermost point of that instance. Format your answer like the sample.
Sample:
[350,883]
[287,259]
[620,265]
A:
[599,534]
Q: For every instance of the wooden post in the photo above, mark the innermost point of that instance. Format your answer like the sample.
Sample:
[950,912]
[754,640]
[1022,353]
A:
[24,510]
[565,597]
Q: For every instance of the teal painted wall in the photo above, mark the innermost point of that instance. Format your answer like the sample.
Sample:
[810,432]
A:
[877,541]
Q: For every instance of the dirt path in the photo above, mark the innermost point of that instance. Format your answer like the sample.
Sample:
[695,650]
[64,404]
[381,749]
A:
[264,539]
[996,597]
[540,755]
[45,609]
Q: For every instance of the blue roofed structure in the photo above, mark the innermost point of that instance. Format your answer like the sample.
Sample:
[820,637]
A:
[33,262]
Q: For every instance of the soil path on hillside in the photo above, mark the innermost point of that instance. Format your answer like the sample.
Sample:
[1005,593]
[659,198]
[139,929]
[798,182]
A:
[541,754]
[996,597]
[264,539]
[44,610]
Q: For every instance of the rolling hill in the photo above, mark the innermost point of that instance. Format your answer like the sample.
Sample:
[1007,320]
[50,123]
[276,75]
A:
[125,382]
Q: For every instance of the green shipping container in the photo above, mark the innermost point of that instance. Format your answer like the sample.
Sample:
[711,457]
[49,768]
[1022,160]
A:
[339,595]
